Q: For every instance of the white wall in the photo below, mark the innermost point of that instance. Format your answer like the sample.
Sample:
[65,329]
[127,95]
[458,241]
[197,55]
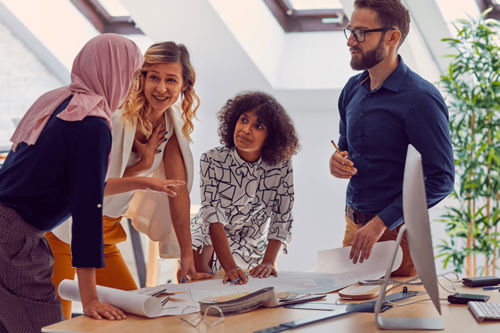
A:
[56,23]
[302,61]
[314,60]
[319,198]
[257,31]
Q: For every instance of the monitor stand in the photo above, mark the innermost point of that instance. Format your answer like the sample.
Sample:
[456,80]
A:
[401,323]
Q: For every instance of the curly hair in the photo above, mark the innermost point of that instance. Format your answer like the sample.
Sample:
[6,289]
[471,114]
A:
[137,109]
[281,142]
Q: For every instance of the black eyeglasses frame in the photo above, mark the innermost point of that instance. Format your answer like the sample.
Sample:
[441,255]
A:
[360,34]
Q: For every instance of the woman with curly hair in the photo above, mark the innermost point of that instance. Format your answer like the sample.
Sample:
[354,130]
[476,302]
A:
[246,190]
[151,135]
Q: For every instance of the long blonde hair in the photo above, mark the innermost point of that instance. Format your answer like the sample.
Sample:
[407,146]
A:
[137,110]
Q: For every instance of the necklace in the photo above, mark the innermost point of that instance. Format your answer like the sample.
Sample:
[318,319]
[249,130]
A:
[159,121]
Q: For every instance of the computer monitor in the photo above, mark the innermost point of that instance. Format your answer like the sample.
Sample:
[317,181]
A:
[417,227]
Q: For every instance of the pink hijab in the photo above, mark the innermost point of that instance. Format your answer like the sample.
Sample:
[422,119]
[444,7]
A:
[100,81]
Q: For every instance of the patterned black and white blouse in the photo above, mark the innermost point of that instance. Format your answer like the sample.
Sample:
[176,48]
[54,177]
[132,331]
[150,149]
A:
[252,200]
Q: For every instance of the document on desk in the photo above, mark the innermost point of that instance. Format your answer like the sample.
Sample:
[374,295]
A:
[336,261]
[288,284]
[135,303]
[333,271]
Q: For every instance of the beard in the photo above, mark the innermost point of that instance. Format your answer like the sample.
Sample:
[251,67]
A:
[368,59]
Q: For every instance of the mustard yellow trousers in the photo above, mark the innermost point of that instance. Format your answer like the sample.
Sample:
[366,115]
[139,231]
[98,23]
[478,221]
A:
[115,274]
[406,268]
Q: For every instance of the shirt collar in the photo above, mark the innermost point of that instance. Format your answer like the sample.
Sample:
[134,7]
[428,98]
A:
[240,161]
[394,80]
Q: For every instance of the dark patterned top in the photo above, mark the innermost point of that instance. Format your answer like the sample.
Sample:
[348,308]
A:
[252,200]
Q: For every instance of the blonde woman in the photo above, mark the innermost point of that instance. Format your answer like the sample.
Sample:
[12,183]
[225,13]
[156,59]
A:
[151,135]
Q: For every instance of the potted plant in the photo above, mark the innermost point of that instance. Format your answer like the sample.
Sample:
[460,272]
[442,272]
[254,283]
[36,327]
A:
[472,92]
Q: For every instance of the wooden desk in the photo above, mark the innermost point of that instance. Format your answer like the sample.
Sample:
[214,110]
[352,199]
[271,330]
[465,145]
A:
[457,318]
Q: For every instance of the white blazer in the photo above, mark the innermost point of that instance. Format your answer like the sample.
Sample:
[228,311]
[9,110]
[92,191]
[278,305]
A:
[149,211]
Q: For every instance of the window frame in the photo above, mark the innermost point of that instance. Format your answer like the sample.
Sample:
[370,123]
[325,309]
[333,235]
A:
[485,4]
[103,21]
[292,20]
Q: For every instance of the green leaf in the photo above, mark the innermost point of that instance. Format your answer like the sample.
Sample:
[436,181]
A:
[471,87]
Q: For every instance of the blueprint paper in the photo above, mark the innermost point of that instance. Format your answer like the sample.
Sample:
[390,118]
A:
[139,304]
[333,271]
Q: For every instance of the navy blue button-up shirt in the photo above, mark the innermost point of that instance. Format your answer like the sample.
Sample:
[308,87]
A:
[376,127]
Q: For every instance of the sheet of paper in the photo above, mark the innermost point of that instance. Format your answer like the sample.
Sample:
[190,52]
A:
[336,261]
[333,271]
[189,294]
[139,304]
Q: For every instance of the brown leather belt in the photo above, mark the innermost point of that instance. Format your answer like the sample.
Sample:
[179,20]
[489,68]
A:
[357,217]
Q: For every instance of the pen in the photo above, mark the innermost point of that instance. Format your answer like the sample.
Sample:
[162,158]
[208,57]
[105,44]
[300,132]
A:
[174,292]
[238,279]
[338,151]
[491,287]
[158,292]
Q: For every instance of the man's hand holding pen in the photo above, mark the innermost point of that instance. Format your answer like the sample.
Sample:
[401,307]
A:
[341,166]
[368,235]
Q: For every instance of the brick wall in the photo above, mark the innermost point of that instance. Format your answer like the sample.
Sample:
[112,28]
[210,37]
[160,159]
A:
[23,78]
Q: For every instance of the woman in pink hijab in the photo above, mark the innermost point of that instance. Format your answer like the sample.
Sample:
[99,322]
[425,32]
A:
[57,167]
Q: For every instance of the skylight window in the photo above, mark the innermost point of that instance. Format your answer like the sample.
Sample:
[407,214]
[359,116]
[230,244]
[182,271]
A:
[107,16]
[114,8]
[308,15]
[315,4]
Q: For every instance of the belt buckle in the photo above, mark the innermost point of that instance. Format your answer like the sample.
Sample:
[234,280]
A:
[359,218]
[353,214]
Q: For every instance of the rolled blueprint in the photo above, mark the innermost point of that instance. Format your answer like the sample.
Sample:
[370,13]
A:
[128,301]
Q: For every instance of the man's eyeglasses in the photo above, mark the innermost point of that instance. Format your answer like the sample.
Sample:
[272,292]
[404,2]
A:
[360,34]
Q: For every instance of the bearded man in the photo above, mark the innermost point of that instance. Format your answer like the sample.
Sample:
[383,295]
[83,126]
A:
[382,110]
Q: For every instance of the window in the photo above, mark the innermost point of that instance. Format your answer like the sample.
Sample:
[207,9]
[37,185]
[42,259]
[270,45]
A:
[484,4]
[107,16]
[308,15]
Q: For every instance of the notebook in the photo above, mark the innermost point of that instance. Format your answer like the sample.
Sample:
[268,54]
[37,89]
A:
[243,302]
